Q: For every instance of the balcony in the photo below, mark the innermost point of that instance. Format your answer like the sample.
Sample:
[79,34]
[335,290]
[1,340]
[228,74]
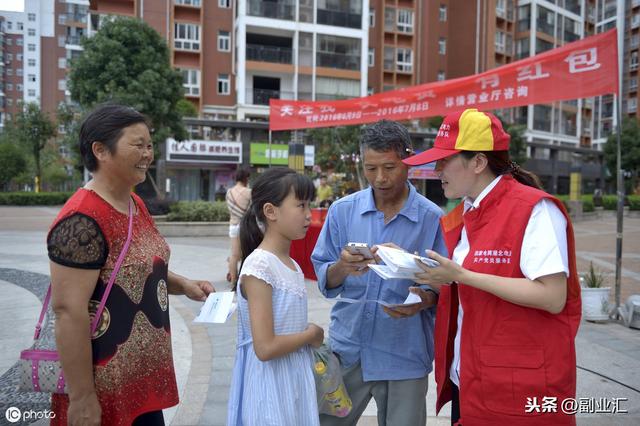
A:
[271,9]
[194,3]
[524,25]
[500,48]
[339,18]
[262,53]
[545,27]
[635,21]
[569,36]
[73,40]
[338,60]
[67,18]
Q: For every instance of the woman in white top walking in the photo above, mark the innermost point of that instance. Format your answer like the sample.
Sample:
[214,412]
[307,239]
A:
[238,198]
[273,381]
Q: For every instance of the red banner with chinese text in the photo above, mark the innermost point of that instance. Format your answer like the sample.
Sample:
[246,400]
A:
[585,68]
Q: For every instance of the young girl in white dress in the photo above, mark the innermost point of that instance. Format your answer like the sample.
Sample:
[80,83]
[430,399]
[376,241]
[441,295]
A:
[273,380]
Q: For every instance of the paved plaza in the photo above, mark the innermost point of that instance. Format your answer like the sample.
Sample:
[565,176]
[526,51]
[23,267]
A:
[608,353]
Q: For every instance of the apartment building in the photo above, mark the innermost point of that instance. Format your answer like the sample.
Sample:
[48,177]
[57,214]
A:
[37,44]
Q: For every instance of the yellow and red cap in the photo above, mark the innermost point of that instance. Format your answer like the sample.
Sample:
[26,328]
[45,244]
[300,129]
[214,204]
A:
[468,130]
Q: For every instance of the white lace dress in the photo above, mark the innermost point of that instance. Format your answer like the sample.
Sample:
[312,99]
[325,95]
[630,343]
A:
[280,391]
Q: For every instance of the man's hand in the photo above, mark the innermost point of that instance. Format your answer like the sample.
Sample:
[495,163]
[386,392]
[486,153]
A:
[198,290]
[353,264]
[429,299]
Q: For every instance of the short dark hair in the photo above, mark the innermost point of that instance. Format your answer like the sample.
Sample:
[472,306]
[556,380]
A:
[385,136]
[242,174]
[105,124]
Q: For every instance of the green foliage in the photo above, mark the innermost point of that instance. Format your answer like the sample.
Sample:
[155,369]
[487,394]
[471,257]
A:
[12,162]
[630,147]
[32,129]
[186,108]
[634,202]
[587,203]
[198,211]
[593,278]
[336,148]
[34,198]
[127,62]
[69,120]
[610,202]
[518,145]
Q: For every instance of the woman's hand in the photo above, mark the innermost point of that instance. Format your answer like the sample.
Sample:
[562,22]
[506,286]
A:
[446,273]
[84,411]
[198,290]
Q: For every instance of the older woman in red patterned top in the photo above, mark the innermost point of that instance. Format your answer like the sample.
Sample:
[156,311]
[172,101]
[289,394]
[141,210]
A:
[123,374]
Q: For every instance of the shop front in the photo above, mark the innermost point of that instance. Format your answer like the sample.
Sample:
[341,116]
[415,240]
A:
[200,169]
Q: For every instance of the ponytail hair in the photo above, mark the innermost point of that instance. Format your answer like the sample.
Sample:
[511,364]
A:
[272,186]
[501,164]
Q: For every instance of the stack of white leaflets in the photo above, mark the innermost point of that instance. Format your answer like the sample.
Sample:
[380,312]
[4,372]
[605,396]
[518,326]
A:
[399,264]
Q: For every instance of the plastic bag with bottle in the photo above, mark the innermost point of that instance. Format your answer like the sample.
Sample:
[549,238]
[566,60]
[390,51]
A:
[332,394]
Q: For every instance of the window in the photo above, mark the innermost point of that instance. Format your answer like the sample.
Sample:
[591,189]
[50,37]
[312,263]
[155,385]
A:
[9,86]
[31,78]
[10,101]
[224,86]
[19,87]
[10,72]
[404,60]
[372,56]
[9,42]
[187,37]
[31,62]
[224,41]
[191,82]
[31,92]
[226,4]
[442,46]
[633,61]
[19,72]
[405,20]
[19,41]
[442,16]
[499,41]
[9,25]
[31,47]
[31,17]
[372,18]
[189,2]
[62,63]
[441,76]
[31,32]
[10,57]
[62,84]
[369,91]
[19,26]
[19,57]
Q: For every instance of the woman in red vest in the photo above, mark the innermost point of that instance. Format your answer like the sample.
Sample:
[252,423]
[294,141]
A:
[506,323]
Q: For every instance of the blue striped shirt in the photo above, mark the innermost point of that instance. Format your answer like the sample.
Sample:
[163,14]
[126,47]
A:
[387,348]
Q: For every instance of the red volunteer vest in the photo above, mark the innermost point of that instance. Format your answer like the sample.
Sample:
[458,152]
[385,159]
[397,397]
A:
[509,353]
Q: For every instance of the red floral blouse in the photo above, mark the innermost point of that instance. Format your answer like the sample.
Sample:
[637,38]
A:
[133,365]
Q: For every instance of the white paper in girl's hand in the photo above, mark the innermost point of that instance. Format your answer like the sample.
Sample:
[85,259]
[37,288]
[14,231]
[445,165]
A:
[217,308]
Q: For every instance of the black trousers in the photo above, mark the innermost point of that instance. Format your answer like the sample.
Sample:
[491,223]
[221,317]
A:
[153,418]
[455,404]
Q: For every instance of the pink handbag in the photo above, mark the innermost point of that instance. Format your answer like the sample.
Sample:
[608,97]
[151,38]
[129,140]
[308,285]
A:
[40,369]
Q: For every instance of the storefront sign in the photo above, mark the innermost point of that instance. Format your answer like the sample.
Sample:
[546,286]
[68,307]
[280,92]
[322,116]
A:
[260,153]
[201,151]
[309,155]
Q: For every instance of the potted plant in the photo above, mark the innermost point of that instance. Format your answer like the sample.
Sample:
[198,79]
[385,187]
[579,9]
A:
[595,297]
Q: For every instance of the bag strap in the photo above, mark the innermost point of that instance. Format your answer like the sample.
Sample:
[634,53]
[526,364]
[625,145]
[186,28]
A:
[116,269]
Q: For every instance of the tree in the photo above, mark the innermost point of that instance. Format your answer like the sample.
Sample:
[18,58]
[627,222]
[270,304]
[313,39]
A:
[630,147]
[33,129]
[186,108]
[12,163]
[127,62]
[518,145]
[338,148]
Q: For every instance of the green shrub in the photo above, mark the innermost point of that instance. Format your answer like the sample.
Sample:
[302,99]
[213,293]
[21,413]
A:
[33,198]
[587,202]
[610,202]
[634,202]
[198,211]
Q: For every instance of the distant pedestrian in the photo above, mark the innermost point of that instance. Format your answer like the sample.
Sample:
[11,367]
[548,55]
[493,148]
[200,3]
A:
[273,381]
[238,199]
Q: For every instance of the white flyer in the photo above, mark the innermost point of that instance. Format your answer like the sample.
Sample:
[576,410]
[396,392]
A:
[217,308]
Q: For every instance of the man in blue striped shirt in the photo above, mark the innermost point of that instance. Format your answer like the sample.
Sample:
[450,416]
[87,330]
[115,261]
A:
[385,354]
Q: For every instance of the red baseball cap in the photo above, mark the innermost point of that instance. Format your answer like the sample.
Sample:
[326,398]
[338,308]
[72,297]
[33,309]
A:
[468,130]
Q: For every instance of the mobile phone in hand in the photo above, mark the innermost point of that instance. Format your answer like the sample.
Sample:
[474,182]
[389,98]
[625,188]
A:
[360,248]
